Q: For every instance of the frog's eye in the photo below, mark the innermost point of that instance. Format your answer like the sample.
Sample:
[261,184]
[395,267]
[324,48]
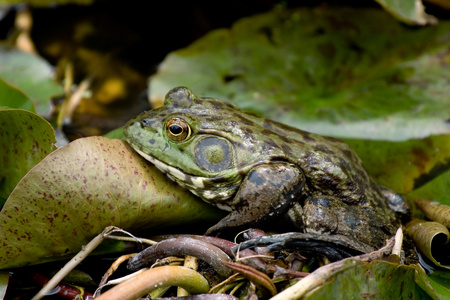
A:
[178,130]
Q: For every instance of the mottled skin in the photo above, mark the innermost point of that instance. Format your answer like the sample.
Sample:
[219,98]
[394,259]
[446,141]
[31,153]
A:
[259,169]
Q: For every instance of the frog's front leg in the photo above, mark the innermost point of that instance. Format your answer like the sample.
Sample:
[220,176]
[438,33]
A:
[266,192]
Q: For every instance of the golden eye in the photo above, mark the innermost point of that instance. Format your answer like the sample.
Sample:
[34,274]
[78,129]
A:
[178,130]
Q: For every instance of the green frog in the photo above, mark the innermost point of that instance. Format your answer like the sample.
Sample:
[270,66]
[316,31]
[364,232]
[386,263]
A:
[258,169]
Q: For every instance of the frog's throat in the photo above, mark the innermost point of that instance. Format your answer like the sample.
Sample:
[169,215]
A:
[195,184]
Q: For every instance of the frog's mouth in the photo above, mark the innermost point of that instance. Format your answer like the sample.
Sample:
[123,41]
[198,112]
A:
[200,186]
[167,169]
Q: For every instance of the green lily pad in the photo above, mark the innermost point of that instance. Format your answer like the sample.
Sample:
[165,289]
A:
[406,166]
[30,74]
[78,190]
[116,134]
[440,281]
[25,139]
[343,72]
[374,280]
[428,284]
[435,190]
[11,97]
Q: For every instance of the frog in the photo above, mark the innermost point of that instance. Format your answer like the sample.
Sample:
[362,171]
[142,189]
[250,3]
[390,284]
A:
[260,170]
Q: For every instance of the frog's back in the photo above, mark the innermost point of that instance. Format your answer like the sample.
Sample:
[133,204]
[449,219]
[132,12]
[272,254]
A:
[330,166]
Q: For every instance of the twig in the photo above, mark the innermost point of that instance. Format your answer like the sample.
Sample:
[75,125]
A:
[396,250]
[132,238]
[84,252]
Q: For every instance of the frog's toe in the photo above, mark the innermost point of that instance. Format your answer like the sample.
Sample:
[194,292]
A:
[213,230]
[234,220]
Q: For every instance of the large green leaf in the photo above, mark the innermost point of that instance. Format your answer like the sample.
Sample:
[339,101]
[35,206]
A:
[435,190]
[78,190]
[431,286]
[355,73]
[440,281]
[404,166]
[13,98]
[374,280]
[116,134]
[25,139]
[30,74]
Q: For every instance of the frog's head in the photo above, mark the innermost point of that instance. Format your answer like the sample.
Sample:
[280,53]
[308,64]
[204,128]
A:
[197,141]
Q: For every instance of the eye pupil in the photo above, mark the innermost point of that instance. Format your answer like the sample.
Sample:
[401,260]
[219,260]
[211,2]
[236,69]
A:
[178,130]
[175,129]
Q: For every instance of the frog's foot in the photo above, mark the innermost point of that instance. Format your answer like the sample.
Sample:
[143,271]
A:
[334,247]
[268,191]
[328,215]
[320,215]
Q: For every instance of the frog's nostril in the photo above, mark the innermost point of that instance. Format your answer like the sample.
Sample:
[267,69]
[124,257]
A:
[145,122]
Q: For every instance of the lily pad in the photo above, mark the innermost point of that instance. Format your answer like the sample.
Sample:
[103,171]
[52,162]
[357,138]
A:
[25,139]
[78,190]
[374,280]
[435,190]
[11,97]
[343,72]
[440,281]
[429,284]
[406,166]
[116,134]
[30,74]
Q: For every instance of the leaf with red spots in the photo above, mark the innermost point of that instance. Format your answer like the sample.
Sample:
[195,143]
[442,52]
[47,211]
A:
[25,139]
[78,190]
